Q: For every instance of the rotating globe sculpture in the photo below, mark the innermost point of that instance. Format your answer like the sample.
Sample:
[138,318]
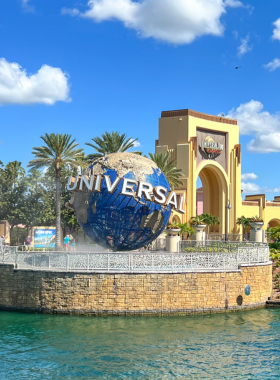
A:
[116,221]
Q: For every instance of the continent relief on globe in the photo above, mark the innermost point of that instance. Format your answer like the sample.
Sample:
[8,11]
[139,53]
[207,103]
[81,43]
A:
[122,201]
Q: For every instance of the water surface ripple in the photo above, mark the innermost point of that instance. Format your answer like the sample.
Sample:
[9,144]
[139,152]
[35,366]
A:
[242,345]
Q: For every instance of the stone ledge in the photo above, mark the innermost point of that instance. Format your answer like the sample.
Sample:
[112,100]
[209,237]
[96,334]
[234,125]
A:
[103,313]
[273,303]
[256,264]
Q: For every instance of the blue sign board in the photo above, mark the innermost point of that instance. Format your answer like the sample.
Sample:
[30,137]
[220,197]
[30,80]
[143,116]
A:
[44,238]
[247,290]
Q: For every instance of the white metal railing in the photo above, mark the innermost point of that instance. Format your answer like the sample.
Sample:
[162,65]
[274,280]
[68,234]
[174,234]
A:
[225,237]
[215,246]
[137,262]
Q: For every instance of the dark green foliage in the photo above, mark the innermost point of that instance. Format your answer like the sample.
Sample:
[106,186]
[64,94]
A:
[29,199]
[168,167]
[59,152]
[274,246]
[110,142]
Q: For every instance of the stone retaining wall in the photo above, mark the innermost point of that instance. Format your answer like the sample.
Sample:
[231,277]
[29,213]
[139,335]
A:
[107,293]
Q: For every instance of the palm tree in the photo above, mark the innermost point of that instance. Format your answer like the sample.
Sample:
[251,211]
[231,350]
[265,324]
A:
[110,142]
[185,229]
[59,151]
[244,222]
[210,220]
[168,168]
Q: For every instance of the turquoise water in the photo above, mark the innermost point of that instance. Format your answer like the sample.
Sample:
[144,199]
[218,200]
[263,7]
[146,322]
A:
[242,345]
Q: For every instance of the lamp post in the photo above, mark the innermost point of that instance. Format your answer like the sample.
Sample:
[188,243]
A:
[228,207]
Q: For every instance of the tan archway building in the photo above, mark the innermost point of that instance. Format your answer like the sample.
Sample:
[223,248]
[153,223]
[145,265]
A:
[208,147]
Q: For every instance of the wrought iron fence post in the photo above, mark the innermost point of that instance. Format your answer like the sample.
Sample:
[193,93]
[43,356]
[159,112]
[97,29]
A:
[88,262]
[152,262]
[191,261]
[131,261]
[49,259]
[33,260]
[67,263]
[16,263]
[172,262]
[108,262]
[237,258]
[258,255]
[224,264]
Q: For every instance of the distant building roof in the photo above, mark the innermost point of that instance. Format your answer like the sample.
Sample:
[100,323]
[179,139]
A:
[200,115]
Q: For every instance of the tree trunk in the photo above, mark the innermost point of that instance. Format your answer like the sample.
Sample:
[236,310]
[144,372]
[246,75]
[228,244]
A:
[58,209]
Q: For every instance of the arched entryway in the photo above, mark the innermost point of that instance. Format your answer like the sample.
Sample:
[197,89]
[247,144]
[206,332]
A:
[273,223]
[215,194]
[176,219]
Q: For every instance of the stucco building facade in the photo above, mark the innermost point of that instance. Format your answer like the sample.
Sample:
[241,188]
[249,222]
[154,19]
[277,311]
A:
[208,147]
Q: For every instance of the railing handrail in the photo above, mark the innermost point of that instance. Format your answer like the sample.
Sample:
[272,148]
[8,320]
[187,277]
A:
[138,262]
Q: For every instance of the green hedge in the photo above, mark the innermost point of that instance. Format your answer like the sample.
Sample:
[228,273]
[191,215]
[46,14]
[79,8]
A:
[274,246]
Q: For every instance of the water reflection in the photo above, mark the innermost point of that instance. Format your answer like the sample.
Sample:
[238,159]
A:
[225,346]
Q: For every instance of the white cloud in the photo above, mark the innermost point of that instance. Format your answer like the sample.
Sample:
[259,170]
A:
[179,22]
[136,144]
[244,47]
[235,34]
[47,86]
[276,30]
[249,177]
[250,188]
[265,143]
[275,190]
[264,126]
[72,12]
[233,3]
[26,6]
[273,65]
[253,188]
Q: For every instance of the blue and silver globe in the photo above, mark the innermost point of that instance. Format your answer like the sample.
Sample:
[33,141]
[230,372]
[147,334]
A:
[121,222]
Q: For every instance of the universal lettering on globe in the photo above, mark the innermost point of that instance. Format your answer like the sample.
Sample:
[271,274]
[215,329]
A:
[158,194]
[123,201]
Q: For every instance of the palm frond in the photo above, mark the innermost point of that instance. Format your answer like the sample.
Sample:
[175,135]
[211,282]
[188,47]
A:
[59,150]
[111,142]
[168,168]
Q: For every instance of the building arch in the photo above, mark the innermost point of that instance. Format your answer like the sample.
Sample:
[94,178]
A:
[176,219]
[215,193]
[273,223]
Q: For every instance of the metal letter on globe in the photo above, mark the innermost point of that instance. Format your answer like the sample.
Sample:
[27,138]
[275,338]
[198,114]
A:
[118,216]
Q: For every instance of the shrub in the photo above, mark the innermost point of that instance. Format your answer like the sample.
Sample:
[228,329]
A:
[274,246]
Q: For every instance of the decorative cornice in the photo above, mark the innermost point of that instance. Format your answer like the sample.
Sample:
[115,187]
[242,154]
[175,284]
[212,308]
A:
[200,115]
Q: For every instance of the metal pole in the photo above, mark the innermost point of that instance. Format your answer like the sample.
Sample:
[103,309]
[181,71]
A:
[226,223]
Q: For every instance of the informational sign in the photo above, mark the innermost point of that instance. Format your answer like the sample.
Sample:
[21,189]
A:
[211,146]
[247,290]
[44,238]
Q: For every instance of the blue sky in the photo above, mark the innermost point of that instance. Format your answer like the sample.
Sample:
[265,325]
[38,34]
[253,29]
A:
[83,67]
